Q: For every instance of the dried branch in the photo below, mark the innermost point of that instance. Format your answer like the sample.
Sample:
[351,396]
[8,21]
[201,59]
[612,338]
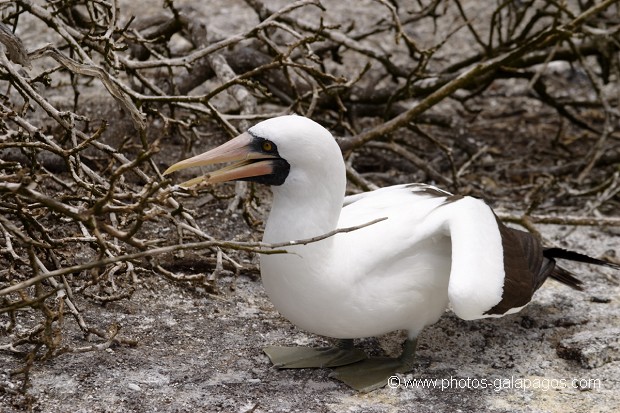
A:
[559,220]
[472,76]
[14,47]
[256,247]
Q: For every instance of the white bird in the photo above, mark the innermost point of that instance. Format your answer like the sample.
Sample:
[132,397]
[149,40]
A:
[435,250]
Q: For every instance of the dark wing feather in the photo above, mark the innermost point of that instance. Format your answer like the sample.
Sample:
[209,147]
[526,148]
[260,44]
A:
[527,266]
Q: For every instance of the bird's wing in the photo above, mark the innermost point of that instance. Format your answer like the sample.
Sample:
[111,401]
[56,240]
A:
[417,190]
[494,269]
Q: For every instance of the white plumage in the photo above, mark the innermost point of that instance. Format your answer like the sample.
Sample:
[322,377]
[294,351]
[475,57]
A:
[389,276]
[434,250]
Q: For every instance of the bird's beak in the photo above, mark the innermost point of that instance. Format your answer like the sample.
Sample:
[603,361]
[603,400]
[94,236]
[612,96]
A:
[248,162]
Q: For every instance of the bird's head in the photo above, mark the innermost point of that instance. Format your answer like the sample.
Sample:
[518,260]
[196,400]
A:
[273,152]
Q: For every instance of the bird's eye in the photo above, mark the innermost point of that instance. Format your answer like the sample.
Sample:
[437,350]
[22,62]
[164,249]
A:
[267,146]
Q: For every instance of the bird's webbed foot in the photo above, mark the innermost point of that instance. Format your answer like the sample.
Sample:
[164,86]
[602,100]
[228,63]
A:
[374,373]
[305,357]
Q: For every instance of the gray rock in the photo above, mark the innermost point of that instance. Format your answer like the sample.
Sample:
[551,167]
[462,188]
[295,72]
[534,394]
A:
[592,349]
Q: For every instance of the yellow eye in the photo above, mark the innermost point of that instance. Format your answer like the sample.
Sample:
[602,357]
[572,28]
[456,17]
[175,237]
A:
[267,146]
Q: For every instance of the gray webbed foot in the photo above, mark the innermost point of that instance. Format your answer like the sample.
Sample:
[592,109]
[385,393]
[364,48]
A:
[351,365]
[304,357]
[370,374]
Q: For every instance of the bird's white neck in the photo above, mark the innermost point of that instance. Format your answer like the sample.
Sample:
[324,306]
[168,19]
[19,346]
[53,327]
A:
[308,204]
[305,208]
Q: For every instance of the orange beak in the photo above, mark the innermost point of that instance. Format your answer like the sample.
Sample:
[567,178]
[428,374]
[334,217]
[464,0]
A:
[248,162]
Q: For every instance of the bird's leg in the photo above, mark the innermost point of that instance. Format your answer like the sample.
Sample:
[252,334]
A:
[305,357]
[407,357]
[373,373]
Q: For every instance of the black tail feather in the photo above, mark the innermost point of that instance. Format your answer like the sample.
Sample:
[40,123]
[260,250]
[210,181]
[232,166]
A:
[567,278]
[576,256]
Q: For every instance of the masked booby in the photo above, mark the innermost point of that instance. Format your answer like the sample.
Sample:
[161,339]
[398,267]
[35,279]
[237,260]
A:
[435,250]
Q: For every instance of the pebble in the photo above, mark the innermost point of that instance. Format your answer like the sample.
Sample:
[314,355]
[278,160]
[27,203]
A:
[134,387]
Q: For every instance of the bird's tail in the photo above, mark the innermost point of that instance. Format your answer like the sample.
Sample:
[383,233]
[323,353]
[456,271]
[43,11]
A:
[565,276]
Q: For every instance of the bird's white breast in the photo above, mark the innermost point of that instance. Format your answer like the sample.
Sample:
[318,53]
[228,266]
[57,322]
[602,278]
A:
[367,282]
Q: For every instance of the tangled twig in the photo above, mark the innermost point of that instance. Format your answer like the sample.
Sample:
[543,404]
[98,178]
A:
[87,122]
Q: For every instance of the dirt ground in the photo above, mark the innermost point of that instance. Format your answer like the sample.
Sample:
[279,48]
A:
[198,350]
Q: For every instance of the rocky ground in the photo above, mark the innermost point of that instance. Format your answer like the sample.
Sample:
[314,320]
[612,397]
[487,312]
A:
[201,352]
[198,350]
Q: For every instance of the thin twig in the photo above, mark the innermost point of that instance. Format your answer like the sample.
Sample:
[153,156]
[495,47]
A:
[257,247]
